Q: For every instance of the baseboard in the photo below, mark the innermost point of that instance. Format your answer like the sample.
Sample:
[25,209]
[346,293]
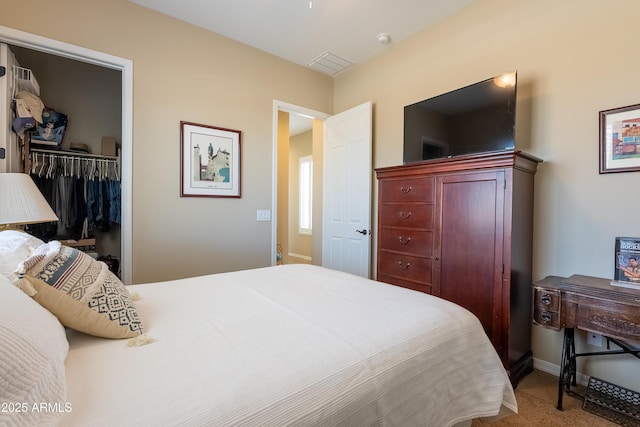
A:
[553,369]
[304,257]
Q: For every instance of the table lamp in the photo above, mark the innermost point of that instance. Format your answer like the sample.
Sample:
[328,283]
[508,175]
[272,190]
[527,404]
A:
[21,202]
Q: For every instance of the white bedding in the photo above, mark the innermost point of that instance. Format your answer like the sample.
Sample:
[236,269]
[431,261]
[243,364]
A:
[293,345]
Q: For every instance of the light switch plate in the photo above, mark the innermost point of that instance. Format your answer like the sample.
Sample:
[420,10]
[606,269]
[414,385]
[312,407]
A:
[263,215]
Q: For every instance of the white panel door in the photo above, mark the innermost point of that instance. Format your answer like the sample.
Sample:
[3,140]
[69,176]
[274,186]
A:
[346,240]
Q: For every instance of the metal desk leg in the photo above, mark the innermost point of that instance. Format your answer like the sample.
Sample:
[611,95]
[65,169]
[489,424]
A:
[567,376]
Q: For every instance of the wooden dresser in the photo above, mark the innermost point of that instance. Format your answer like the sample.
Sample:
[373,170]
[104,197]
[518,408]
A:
[461,229]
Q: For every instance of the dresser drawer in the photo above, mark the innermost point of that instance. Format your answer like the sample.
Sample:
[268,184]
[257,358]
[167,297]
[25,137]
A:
[544,317]
[407,215]
[405,267]
[546,299]
[407,190]
[416,286]
[409,241]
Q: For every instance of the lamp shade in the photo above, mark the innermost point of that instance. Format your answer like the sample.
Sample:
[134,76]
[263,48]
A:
[21,202]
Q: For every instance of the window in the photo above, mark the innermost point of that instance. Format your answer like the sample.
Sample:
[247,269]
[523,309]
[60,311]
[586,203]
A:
[306,184]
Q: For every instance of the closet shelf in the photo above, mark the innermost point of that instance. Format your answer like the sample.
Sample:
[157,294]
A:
[72,153]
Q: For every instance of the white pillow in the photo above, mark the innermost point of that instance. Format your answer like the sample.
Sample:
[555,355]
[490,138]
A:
[15,247]
[33,346]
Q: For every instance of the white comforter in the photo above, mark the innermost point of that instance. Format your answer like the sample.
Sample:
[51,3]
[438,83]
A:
[289,345]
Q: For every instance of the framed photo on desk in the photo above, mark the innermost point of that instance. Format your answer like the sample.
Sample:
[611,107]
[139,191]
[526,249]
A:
[627,262]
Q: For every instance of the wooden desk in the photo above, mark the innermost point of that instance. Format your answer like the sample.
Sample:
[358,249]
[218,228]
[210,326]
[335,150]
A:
[590,304]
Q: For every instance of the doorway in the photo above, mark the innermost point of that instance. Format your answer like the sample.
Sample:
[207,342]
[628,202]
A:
[298,133]
[31,41]
[342,155]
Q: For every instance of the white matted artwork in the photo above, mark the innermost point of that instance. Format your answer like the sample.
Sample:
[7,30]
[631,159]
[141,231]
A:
[210,161]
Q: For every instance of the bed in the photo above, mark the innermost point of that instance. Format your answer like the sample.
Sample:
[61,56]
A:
[293,345]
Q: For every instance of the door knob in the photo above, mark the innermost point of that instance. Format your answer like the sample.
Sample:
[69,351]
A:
[363,231]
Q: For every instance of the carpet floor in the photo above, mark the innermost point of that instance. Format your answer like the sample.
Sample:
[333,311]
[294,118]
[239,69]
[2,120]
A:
[537,396]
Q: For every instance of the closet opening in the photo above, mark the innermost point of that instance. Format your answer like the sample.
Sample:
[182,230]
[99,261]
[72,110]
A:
[73,152]
[103,111]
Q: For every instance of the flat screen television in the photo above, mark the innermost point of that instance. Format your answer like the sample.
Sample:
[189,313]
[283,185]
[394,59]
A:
[474,119]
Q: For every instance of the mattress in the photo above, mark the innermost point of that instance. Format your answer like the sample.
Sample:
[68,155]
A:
[293,345]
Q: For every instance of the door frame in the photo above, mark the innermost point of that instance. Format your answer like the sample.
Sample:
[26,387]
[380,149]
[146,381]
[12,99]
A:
[125,66]
[292,109]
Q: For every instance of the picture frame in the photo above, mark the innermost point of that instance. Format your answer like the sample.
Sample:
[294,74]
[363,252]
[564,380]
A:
[626,269]
[620,139]
[210,160]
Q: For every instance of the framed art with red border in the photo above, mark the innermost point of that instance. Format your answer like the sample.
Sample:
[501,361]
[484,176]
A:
[209,161]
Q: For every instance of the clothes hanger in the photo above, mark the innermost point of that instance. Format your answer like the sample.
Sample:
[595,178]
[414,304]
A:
[34,162]
[44,159]
[51,166]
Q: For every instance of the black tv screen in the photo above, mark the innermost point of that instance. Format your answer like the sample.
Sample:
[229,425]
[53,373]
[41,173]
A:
[474,119]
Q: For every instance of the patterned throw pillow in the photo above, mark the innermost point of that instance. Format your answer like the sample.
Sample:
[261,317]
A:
[81,292]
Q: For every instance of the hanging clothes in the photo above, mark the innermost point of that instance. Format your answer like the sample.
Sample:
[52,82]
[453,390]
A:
[84,192]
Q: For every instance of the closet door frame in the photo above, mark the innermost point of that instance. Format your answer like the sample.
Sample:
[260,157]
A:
[125,66]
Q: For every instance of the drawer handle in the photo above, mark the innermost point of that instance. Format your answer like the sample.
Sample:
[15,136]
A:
[405,215]
[545,316]
[403,266]
[545,299]
[405,189]
[404,241]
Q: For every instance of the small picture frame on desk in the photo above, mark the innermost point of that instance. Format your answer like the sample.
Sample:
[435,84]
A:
[620,139]
[627,262]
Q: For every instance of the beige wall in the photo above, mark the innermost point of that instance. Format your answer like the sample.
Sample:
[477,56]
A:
[574,58]
[181,72]
[299,146]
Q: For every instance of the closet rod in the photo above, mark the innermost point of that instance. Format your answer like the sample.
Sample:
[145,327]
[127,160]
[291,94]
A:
[73,153]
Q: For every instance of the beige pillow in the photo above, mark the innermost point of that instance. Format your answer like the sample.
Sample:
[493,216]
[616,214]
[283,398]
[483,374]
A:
[81,292]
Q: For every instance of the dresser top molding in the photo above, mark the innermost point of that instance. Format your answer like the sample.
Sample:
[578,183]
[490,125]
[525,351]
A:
[490,160]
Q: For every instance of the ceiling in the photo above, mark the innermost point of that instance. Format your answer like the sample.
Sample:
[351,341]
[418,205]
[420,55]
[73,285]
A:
[339,33]
[326,35]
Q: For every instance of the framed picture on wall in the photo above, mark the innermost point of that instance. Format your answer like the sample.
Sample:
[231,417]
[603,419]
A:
[209,161]
[620,139]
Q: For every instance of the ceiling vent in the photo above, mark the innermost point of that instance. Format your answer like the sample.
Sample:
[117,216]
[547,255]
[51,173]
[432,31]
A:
[329,63]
